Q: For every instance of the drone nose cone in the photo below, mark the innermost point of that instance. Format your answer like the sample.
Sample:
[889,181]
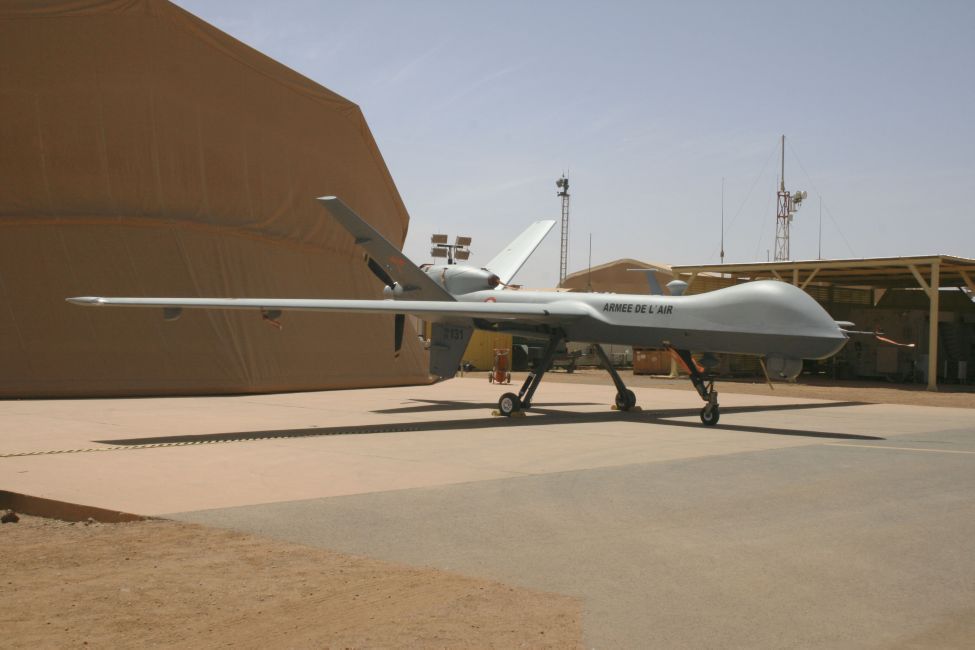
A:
[791,320]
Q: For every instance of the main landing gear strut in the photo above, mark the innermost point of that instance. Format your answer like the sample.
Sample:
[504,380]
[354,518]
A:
[511,403]
[705,388]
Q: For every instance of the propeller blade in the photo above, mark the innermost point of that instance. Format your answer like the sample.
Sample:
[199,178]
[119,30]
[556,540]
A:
[380,272]
[398,324]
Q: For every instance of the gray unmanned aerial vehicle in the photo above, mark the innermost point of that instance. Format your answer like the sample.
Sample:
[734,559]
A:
[773,320]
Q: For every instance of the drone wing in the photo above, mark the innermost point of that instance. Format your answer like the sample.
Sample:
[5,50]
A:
[429,310]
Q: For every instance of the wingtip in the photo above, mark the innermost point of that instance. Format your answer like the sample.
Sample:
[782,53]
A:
[84,300]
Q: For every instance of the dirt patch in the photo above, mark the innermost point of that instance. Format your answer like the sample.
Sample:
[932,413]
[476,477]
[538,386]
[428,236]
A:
[163,583]
[806,387]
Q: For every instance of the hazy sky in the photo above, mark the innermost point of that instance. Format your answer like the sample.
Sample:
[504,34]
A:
[478,107]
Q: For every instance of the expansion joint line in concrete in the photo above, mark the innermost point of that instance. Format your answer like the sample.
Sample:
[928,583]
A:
[188,443]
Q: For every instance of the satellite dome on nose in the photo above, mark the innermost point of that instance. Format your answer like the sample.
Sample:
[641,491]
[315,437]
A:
[677,287]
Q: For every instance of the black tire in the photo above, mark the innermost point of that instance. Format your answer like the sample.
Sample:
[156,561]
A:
[625,400]
[710,417]
[508,404]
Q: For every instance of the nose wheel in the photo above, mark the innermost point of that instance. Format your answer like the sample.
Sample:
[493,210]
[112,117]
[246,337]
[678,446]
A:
[710,415]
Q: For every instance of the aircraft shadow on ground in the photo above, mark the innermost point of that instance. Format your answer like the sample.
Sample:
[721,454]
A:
[540,415]
[430,405]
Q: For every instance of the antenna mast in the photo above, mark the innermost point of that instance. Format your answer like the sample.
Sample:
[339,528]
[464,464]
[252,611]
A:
[786,206]
[589,281]
[819,253]
[563,185]
[722,219]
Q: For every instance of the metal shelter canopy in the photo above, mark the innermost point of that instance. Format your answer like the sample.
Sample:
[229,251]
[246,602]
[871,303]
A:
[878,272]
[929,272]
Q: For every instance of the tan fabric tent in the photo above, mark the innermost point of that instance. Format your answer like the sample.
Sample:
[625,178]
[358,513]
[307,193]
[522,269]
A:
[145,153]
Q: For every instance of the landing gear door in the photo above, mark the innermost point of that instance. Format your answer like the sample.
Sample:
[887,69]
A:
[447,346]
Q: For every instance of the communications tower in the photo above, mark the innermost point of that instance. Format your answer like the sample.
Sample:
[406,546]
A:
[563,185]
[786,206]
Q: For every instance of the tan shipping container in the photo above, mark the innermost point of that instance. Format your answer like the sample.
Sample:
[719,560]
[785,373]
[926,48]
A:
[651,362]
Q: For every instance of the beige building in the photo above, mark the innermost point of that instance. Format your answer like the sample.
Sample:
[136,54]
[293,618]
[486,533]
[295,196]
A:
[146,153]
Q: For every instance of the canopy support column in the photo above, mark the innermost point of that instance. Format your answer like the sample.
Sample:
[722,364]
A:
[934,305]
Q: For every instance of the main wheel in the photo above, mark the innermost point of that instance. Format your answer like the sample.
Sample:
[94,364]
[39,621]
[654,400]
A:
[508,404]
[709,416]
[625,400]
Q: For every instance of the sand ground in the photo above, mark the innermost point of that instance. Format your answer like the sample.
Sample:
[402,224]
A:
[162,583]
[167,584]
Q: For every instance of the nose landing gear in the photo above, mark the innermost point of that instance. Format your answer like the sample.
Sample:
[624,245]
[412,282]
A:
[704,387]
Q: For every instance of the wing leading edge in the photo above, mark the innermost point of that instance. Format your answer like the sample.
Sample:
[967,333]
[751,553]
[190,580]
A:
[430,310]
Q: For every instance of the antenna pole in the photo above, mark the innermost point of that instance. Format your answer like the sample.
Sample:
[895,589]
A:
[722,219]
[563,185]
[819,253]
[782,173]
[589,281]
[786,206]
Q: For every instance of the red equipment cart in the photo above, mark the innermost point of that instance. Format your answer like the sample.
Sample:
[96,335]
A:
[501,373]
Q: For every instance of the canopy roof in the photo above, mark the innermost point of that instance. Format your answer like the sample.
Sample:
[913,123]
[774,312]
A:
[880,272]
